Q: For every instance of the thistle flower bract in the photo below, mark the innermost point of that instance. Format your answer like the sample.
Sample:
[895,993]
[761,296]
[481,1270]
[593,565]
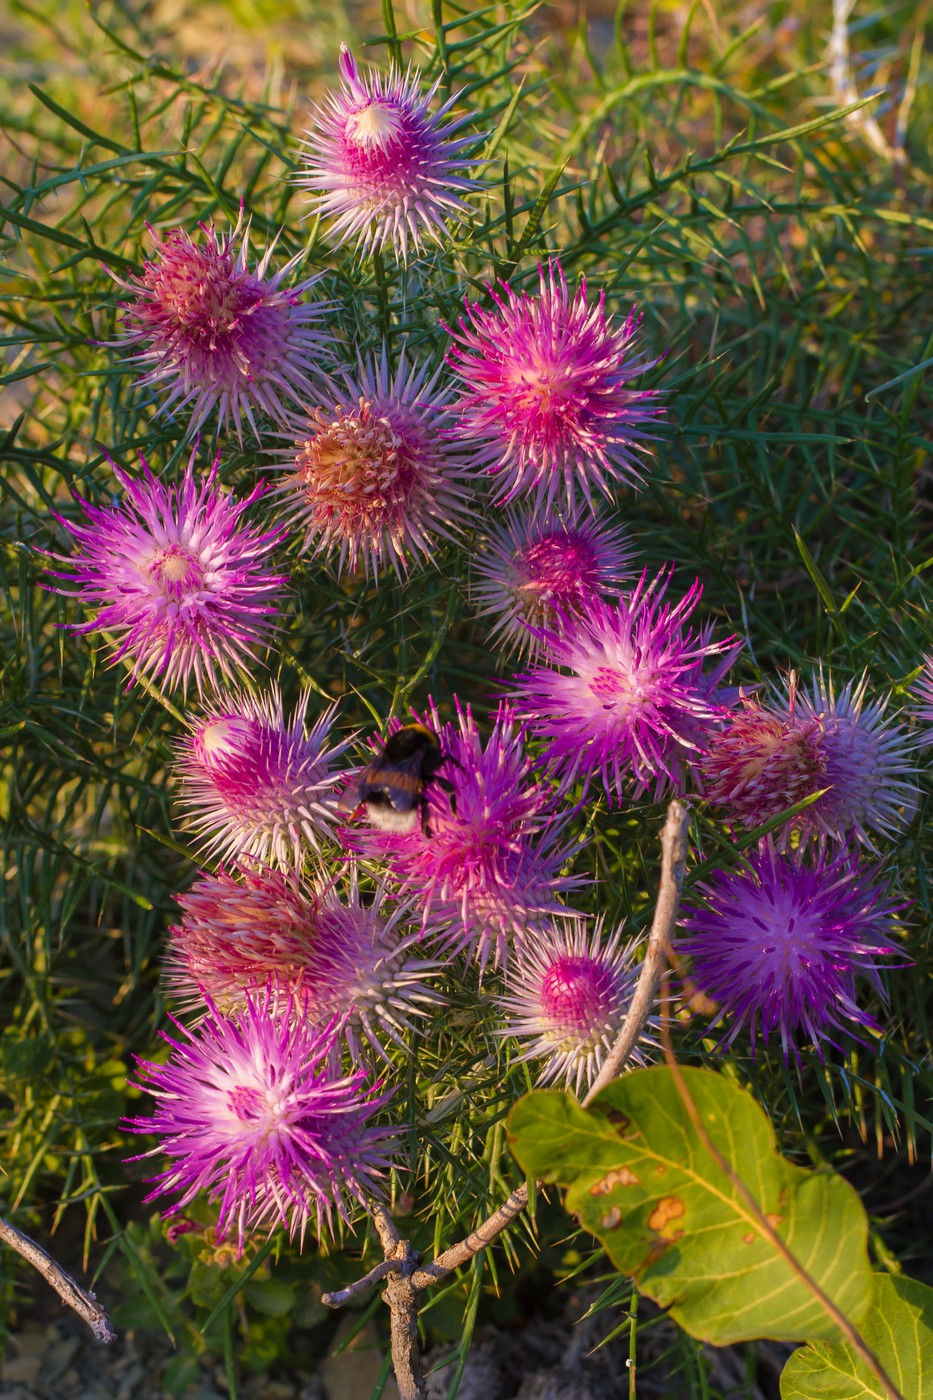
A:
[220,335]
[492,862]
[923,690]
[780,944]
[180,580]
[567,995]
[375,482]
[537,569]
[250,1108]
[632,704]
[546,402]
[243,931]
[381,166]
[254,784]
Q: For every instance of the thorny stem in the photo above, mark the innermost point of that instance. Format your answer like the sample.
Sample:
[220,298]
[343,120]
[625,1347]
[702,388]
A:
[81,1299]
[851,1334]
[405,1281]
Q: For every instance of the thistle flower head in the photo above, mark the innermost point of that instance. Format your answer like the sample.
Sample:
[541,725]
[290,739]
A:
[255,784]
[923,690]
[381,166]
[546,402]
[180,581]
[492,860]
[373,482]
[780,944]
[249,1108]
[631,703]
[567,995]
[537,569]
[216,334]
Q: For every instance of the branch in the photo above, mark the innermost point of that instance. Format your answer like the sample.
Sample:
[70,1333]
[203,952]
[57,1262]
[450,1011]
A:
[82,1300]
[352,1290]
[484,1235]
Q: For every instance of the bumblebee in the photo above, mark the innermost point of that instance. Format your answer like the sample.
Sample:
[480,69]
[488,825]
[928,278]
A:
[393,787]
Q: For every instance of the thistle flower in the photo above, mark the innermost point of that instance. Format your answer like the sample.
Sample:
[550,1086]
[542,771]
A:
[381,166]
[546,402]
[568,993]
[260,928]
[537,569]
[255,784]
[374,483]
[492,861]
[181,582]
[781,943]
[634,706]
[220,335]
[249,1108]
[923,689]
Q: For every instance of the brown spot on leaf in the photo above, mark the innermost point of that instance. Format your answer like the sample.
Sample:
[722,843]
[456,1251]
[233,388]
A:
[660,1170]
[773,1220]
[611,1220]
[619,1120]
[620,1177]
[668,1208]
[653,1255]
[749,1238]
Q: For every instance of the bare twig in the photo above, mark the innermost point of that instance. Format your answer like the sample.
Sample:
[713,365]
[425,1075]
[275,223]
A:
[482,1236]
[81,1299]
[352,1290]
[851,1334]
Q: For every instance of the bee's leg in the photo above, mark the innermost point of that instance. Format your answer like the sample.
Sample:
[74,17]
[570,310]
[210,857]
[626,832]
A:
[425,813]
[449,758]
[447,786]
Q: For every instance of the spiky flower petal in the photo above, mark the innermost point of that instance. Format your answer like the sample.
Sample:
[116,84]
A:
[357,959]
[923,690]
[250,1109]
[632,704]
[547,403]
[181,582]
[780,943]
[568,992]
[215,334]
[381,166]
[255,784]
[537,568]
[374,482]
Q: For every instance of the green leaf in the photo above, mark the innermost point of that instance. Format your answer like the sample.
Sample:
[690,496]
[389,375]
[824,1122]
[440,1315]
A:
[899,1330]
[640,1179]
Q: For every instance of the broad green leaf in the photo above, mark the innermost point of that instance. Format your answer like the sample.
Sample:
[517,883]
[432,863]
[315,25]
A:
[639,1178]
[899,1330]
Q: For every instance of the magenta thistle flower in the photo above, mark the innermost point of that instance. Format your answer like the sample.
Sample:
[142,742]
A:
[780,944]
[381,166]
[375,482]
[537,569]
[181,582]
[567,994]
[219,335]
[546,402]
[250,1109]
[255,784]
[240,933]
[492,862]
[923,690]
[632,704]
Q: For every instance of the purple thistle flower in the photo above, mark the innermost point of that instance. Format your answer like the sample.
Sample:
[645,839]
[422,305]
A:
[923,689]
[179,579]
[537,569]
[568,993]
[251,1109]
[219,335]
[546,403]
[782,941]
[261,928]
[381,165]
[632,704]
[492,861]
[375,482]
[254,784]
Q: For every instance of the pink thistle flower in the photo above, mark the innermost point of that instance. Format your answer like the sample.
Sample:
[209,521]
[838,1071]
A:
[250,1109]
[381,165]
[568,993]
[254,784]
[537,570]
[923,689]
[220,335]
[781,943]
[546,402]
[375,482]
[261,928]
[632,703]
[492,862]
[181,582]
